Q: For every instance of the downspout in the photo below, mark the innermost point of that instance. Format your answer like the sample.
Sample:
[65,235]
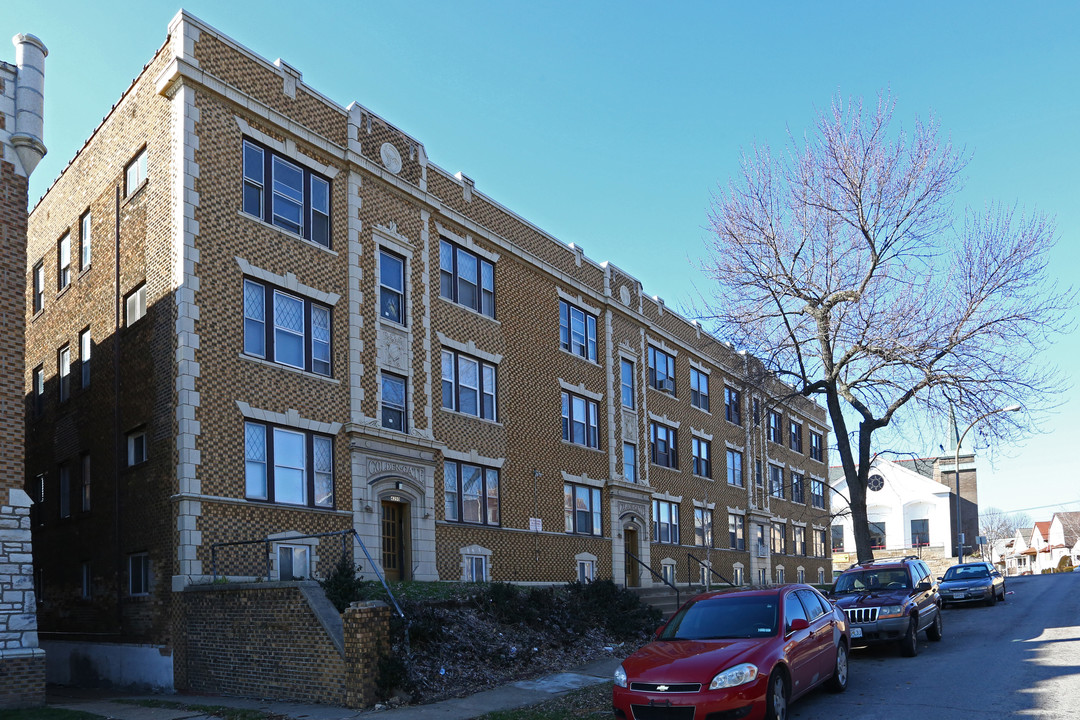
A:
[118,448]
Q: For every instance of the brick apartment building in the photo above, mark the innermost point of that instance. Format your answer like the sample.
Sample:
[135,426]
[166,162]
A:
[22,662]
[239,296]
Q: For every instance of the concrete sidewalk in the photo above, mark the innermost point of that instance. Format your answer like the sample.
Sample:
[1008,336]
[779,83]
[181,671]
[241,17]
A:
[507,697]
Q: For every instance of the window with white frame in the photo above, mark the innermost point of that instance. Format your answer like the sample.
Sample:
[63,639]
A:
[392,287]
[759,476]
[801,575]
[797,487]
[136,447]
[476,568]
[286,466]
[285,194]
[38,380]
[39,287]
[63,357]
[581,507]
[135,305]
[737,575]
[626,379]
[734,468]
[85,482]
[468,385]
[819,543]
[665,522]
[755,411]
[393,402]
[780,575]
[662,447]
[135,173]
[667,572]
[63,261]
[703,536]
[817,494]
[799,538]
[779,539]
[732,406]
[821,576]
[796,436]
[586,571]
[286,329]
[471,493]
[138,574]
[661,370]
[466,278]
[294,562]
[701,450]
[84,356]
[762,577]
[85,241]
[699,389]
[64,494]
[577,331]
[816,451]
[776,481]
[736,532]
[629,459]
[775,424]
[579,420]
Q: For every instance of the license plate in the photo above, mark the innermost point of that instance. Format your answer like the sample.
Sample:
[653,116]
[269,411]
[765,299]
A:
[856,632]
[958,596]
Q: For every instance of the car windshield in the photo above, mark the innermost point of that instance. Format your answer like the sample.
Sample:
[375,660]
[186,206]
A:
[734,616]
[871,580]
[973,572]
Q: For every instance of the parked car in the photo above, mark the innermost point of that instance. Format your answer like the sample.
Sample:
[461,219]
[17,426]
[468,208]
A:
[972,582]
[744,653]
[890,600]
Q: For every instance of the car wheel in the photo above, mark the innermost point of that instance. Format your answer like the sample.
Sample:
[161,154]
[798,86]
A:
[1002,593]
[776,699]
[934,632]
[992,600]
[909,645]
[838,682]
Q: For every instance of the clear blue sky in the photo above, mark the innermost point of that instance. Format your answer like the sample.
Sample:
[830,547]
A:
[610,124]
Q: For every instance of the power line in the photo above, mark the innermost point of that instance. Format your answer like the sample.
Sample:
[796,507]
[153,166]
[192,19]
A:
[1043,507]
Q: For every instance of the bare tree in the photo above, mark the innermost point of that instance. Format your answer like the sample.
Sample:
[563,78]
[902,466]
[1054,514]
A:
[998,525]
[843,267]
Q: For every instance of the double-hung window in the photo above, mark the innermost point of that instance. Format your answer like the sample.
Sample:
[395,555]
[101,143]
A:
[736,532]
[38,390]
[776,481]
[85,482]
[84,241]
[799,541]
[702,453]
[626,380]
[734,468]
[392,287]
[135,305]
[817,494]
[393,403]
[699,389]
[661,370]
[139,574]
[135,173]
[577,331]
[732,406]
[662,445]
[579,420]
[471,493]
[39,286]
[665,522]
[759,476]
[581,507]
[64,372]
[779,539]
[819,543]
[468,385]
[755,410]
[816,446]
[797,488]
[288,466]
[285,194]
[796,436]
[629,460]
[63,261]
[775,433]
[702,527]
[85,344]
[286,329]
[466,278]
[136,447]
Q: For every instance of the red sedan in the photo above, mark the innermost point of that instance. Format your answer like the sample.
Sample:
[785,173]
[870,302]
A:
[736,654]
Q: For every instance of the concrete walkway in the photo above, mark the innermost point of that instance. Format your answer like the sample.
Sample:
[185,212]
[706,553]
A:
[507,697]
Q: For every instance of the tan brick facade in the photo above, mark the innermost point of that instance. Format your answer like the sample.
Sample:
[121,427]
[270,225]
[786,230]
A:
[206,373]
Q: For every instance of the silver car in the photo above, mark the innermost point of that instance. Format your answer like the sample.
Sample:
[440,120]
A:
[972,582]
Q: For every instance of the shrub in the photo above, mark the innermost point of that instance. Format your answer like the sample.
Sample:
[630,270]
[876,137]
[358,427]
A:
[343,586]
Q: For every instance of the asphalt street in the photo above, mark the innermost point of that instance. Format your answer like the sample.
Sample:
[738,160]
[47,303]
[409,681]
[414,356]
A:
[1020,658]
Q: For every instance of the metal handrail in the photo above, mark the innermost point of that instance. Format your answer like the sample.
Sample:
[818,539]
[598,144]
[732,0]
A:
[689,574]
[678,596]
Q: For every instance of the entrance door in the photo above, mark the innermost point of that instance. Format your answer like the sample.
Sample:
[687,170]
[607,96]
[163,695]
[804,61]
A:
[393,540]
[630,547]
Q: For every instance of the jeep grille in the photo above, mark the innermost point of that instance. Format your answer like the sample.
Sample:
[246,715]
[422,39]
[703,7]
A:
[861,615]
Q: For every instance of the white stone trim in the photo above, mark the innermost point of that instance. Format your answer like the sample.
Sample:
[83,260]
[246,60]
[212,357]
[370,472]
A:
[578,301]
[474,458]
[733,446]
[666,497]
[663,420]
[286,148]
[466,242]
[736,511]
[700,434]
[579,389]
[289,418]
[425,300]
[287,281]
[702,505]
[356,299]
[659,344]
[469,348]
[700,367]
[289,368]
[582,479]
[777,519]
[390,238]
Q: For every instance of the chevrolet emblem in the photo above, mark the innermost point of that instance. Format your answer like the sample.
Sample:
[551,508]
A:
[661,688]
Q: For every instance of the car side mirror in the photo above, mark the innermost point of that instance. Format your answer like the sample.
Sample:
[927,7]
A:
[924,586]
[940,578]
[798,624]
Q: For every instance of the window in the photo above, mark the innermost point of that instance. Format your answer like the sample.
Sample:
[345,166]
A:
[667,572]
[288,466]
[286,329]
[63,261]
[299,200]
[759,478]
[476,568]
[626,369]
[392,287]
[702,527]
[84,357]
[776,481]
[801,576]
[779,539]
[661,371]
[734,468]
[39,391]
[294,562]
[64,493]
[665,522]
[466,278]
[629,460]
[85,482]
[794,607]
[468,385]
[797,488]
[63,363]
[755,404]
[586,570]
[39,287]
[774,427]
[799,539]
[736,533]
[579,421]
[135,305]
[762,576]
[581,505]
[662,448]
[819,543]
[472,493]
[837,538]
[84,240]
[135,173]
[139,574]
[577,331]
[87,577]
[733,406]
[817,494]
[877,535]
[699,389]
[737,575]
[393,403]
[136,447]
[816,447]
[701,450]
[796,436]
[920,533]
[821,576]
